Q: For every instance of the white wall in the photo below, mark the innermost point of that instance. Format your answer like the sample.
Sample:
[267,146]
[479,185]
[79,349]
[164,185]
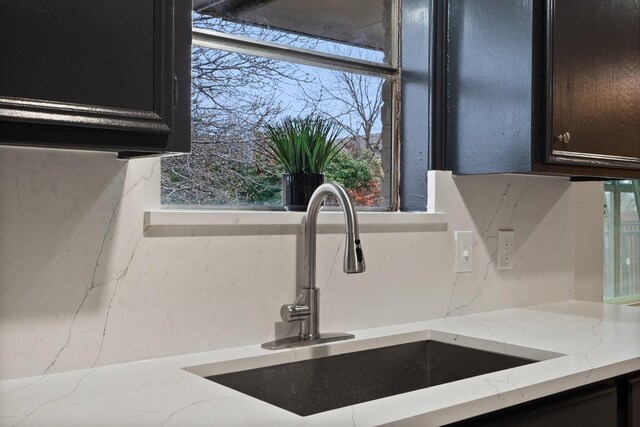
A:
[82,284]
[589,225]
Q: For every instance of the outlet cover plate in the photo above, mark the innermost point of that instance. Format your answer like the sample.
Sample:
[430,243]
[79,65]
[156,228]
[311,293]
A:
[505,249]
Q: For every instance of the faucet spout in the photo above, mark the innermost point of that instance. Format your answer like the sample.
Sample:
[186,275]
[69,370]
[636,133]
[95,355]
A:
[307,306]
[353,255]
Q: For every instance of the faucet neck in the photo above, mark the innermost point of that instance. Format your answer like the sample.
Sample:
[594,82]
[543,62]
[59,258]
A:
[350,219]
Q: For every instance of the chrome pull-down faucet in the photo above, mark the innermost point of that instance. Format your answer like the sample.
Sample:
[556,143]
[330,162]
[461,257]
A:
[306,308]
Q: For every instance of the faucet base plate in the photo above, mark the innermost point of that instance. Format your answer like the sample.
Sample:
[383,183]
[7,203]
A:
[296,341]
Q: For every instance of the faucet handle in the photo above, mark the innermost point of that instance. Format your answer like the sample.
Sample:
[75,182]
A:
[294,312]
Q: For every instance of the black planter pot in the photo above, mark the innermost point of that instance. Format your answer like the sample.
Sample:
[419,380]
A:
[297,189]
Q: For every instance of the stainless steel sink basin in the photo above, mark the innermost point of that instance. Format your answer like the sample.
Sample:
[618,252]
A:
[317,385]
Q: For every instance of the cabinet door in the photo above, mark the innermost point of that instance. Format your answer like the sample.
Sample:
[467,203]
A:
[595,83]
[633,402]
[591,410]
[592,407]
[78,65]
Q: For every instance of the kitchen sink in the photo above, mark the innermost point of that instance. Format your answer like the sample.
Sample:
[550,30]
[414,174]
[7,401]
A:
[316,385]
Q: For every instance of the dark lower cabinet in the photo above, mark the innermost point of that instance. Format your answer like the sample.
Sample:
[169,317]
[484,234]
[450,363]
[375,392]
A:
[633,402]
[610,403]
[597,409]
[593,407]
[96,74]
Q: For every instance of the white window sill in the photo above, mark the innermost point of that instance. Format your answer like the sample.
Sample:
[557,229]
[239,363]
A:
[175,222]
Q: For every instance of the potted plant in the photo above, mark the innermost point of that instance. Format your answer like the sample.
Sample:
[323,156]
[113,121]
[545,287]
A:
[303,147]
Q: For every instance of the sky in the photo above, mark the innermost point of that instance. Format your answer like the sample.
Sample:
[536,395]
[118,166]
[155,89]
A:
[310,82]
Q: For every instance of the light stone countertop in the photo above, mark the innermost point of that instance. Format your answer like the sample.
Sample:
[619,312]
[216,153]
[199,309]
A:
[579,343]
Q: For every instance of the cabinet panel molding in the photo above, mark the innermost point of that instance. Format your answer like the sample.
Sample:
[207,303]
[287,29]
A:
[112,67]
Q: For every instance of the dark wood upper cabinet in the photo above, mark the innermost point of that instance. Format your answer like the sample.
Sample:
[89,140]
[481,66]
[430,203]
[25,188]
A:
[98,75]
[542,86]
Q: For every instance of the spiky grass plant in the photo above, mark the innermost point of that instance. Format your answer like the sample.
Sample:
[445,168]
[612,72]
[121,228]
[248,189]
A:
[302,144]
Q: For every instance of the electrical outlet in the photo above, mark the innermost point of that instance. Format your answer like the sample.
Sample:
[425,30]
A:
[464,246]
[505,249]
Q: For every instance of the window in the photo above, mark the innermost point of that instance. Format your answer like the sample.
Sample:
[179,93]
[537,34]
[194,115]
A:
[255,63]
[622,241]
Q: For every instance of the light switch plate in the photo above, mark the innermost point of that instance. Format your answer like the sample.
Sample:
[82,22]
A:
[464,249]
[505,249]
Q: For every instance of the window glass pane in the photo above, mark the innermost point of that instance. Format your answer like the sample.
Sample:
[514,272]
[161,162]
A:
[609,270]
[354,28]
[622,240]
[235,95]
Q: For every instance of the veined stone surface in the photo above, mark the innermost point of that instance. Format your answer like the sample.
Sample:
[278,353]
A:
[578,342]
[83,285]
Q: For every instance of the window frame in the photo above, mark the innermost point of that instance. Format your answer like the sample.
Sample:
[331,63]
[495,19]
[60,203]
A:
[616,188]
[248,46]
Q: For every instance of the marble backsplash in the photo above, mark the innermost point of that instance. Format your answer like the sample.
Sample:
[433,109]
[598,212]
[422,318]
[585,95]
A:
[82,285]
